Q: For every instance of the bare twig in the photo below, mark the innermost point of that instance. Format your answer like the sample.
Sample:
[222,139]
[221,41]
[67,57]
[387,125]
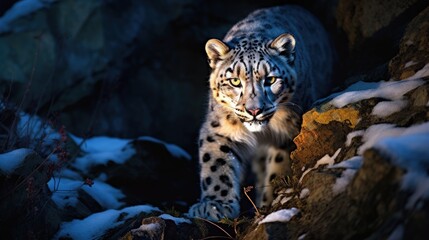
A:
[215,237]
[246,190]
[30,82]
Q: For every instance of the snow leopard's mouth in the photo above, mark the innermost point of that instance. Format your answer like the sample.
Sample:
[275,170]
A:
[255,125]
[257,122]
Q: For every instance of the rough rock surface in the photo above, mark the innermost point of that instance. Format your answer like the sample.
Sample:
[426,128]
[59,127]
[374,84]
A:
[373,199]
[373,30]
[413,52]
[151,175]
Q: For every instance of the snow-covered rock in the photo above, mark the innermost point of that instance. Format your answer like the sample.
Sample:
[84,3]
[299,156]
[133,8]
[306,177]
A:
[26,207]
[374,163]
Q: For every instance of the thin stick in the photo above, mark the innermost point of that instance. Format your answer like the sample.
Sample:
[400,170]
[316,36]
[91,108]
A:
[246,190]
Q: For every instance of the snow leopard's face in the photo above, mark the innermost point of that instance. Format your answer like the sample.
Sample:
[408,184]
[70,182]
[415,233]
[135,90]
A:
[253,77]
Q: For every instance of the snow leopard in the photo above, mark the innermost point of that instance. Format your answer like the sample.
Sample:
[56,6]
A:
[269,68]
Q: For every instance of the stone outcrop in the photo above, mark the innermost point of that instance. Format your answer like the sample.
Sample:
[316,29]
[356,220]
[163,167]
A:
[413,52]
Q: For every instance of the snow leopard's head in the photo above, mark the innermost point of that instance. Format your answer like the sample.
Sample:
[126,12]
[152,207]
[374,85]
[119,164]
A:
[253,76]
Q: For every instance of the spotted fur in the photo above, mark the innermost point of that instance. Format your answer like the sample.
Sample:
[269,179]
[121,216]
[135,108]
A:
[268,69]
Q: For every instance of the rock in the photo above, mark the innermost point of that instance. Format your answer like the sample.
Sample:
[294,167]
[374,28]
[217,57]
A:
[151,228]
[414,48]
[367,202]
[274,230]
[27,209]
[84,206]
[146,227]
[152,175]
[361,20]
[319,196]
[373,199]
[76,63]
[373,30]
[351,202]
[322,132]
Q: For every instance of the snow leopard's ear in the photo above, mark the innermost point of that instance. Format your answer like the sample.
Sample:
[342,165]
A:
[216,50]
[284,45]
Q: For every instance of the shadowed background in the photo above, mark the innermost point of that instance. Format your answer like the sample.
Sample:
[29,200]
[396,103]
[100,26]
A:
[119,68]
[131,68]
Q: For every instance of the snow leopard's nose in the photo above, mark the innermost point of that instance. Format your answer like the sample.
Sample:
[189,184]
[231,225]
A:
[254,111]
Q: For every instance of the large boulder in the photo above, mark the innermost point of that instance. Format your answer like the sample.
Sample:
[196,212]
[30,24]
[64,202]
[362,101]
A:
[367,192]
[72,57]
[145,169]
[373,30]
[413,53]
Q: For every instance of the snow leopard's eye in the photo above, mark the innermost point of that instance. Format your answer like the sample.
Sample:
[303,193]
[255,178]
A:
[270,81]
[235,82]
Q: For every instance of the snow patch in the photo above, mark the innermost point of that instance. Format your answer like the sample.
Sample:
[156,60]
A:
[100,143]
[304,193]
[397,234]
[424,72]
[68,173]
[96,225]
[410,63]
[65,192]
[325,160]
[351,163]
[106,195]
[342,182]
[284,215]
[377,132]
[12,160]
[408,148]
[302,236]
[175,219]
[36,130]
[101,150]
[352,135]
[387,108]
[149,227]
[393,90]
[285,200]
[281,197]
[21,9]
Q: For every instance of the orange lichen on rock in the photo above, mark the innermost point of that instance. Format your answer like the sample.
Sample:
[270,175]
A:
[313,118]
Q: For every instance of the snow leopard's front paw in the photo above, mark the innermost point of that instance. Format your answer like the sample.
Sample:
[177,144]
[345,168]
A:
[214,210]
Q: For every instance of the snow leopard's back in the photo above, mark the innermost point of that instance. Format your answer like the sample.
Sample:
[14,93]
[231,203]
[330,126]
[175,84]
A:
[314,53]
